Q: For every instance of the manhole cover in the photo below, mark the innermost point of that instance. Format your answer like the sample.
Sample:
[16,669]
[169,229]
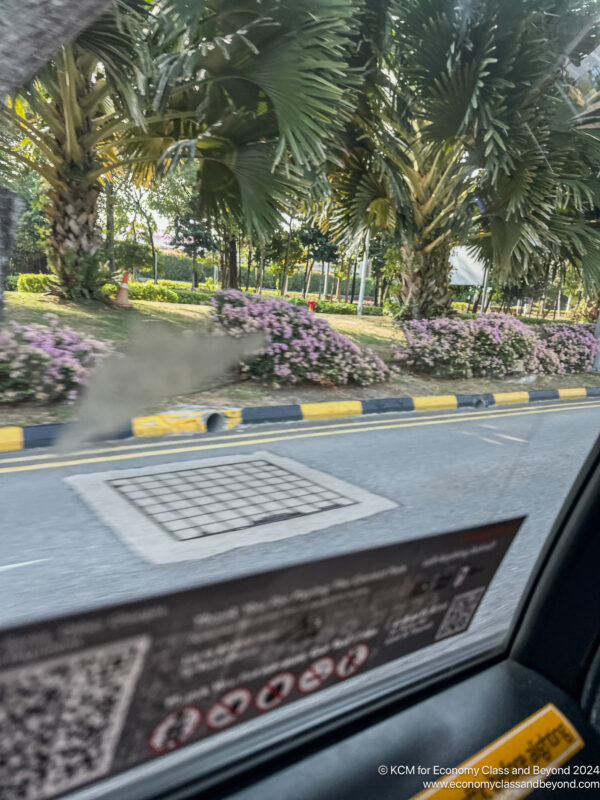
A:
[195,509]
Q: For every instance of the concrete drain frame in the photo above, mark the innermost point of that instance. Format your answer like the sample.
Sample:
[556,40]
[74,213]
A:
[195,509]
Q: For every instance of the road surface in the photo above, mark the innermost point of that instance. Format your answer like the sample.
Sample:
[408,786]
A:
[444,470]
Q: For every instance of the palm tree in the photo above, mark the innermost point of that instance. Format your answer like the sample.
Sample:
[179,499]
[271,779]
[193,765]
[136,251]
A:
[68,118]
[267,84]
[491,79]
[462,133]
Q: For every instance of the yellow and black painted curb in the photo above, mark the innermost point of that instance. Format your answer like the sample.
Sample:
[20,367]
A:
[212,420]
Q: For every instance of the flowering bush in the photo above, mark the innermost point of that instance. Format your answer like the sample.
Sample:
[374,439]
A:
[495,345]
[574,345]
[45,362]
[299,345]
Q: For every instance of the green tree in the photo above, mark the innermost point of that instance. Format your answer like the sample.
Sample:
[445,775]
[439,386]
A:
[267,81]
[68,119]
[492,82]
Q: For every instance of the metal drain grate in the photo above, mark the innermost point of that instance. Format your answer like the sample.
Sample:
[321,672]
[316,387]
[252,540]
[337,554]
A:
[203,501]
[195,509]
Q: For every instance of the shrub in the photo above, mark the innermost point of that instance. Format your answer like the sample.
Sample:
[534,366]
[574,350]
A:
[574,345]
[198,298]
[495,345]
[332,307]
[12,283]
[33,282]
[441,346]
[501,346]
[299,345]
[45,362]
[175,285]
[144,290]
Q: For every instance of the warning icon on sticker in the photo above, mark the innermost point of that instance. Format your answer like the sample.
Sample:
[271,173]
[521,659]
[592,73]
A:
[352,661]
[316,675]
[175,729]
[228,709]
[275,691]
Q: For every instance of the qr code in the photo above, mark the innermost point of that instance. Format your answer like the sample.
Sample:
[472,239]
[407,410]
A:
[460,613]
[60,719]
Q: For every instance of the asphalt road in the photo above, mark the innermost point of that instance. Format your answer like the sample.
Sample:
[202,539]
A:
[445,470]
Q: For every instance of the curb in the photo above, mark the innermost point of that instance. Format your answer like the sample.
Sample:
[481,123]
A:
[18,438]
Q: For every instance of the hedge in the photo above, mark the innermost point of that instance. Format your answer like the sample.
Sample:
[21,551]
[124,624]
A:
[197,298]
[326,307]
[33,282]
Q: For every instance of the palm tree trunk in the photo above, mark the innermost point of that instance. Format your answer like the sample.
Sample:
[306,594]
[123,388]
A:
[74,237]
[426,285]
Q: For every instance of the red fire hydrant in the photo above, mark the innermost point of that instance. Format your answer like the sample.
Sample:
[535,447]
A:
[312,304]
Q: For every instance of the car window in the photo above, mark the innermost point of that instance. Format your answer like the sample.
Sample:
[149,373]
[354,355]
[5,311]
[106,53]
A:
[299,361]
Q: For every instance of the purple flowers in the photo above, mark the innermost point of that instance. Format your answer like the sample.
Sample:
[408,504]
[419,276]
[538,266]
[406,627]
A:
[495,345]
[45,362]
[299,345]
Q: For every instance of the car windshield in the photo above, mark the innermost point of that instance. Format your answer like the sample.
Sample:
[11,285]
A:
[299,359]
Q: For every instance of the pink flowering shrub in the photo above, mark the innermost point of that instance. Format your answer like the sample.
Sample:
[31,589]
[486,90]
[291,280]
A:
[45,362]
[299,345]
[574,345]
[495,345]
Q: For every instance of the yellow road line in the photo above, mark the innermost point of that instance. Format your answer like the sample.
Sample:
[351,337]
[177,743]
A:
[368,420]
[286,437]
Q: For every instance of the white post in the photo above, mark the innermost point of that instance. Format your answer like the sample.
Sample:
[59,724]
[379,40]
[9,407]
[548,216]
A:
[326,278]
[363,274]
[484,291]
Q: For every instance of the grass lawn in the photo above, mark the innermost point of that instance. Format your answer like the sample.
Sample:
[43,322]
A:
[103,322]
[99,319]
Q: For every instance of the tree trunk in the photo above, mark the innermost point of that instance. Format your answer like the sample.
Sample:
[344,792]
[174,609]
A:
[488,299]
[249,265]
[74,238]
[229,276]
[376,298]
[262,270]
[286,265]
[425,288]
[354,279]
[307,277]
[338,292]
[194,273]
[153,248]
[109,189]
[11,207]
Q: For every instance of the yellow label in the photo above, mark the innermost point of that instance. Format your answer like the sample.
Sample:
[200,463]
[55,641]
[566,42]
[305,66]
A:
[514,765]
